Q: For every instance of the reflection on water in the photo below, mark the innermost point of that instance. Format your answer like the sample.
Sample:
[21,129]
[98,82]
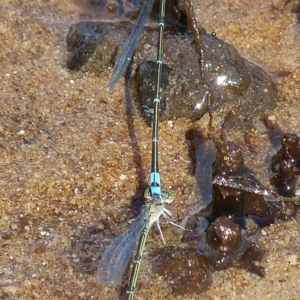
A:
[121,10]
[109,9]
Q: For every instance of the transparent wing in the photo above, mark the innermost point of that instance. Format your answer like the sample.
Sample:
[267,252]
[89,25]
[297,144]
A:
[116,257]
[128,49]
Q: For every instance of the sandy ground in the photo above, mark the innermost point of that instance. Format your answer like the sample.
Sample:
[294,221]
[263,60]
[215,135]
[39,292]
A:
[71,164]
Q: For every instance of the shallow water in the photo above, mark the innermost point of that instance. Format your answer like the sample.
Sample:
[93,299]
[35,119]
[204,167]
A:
[72,160]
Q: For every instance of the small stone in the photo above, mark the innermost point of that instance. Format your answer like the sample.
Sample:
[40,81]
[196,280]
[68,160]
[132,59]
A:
[123,177]
[3,28]
[292,259]
[147,46]
[272,118]
[14,226]
[21,132]
[5,218]
[11,289]
[100,226]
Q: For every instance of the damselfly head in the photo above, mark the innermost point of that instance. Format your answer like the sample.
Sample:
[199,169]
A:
[165,196]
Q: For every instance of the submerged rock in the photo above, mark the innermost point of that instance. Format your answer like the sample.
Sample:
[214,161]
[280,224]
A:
[94,45]
[225,246]
[185,270]
[215,79]
[146,79]
[216,228]
[241,90]
[286,164]
[224,235]
[82,41]
[236,191]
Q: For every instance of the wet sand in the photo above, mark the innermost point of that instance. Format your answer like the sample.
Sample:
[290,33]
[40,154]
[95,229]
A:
[72,160]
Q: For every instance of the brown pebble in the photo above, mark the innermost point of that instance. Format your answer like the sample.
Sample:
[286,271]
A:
[224,235]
